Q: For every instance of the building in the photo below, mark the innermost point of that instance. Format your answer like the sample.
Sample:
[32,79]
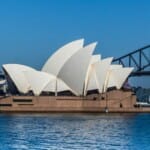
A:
[72,68]
[73,79]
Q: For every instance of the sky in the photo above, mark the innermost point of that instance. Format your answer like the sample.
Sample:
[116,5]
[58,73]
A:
[31,30]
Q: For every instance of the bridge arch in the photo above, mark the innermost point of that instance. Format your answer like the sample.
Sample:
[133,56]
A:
[139,59]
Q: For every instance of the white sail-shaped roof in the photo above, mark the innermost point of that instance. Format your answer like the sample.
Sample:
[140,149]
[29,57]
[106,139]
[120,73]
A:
[118,77]
[74,71]
[115,66]
[71,68]
[50,87]
[26,79]
[101,69]
[90,80]
[57,85]
[93,81]
[95,58]
[61,56]
[15,71]
[111,79]
[38,80]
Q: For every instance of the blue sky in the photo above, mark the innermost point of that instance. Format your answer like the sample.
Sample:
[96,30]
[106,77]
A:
[31,30]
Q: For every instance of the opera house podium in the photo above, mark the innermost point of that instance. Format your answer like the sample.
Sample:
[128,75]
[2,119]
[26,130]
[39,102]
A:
[73,79]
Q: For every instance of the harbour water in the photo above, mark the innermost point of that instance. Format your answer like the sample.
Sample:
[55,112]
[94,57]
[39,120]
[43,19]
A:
[75,131]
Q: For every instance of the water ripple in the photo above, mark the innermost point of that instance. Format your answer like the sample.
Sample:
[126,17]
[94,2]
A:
[74,131]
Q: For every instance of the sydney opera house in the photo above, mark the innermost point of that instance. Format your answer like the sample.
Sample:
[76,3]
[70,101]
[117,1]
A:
[72,79]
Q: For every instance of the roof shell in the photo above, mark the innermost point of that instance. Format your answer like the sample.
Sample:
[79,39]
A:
[118,76]
[101,69]
[111,78]
[74,71]
[15,72]
[38,80]
[56,85]
[61,56]
[91,81]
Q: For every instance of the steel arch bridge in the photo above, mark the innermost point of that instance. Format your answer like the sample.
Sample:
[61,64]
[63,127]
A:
[139,59]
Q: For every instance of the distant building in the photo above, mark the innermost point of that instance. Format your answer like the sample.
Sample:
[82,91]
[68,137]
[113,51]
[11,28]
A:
[143,95]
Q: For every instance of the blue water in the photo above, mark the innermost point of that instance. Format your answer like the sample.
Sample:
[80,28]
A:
[75,131]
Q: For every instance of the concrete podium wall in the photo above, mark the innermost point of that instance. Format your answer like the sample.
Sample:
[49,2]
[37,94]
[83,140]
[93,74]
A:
[114,100]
